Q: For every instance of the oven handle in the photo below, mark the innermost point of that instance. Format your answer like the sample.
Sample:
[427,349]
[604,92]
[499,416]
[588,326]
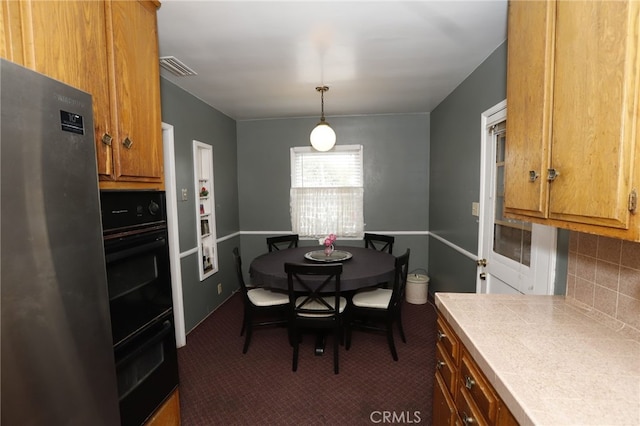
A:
[121,254]
[160,335]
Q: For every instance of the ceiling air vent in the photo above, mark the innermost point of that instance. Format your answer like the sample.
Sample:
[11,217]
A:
[175,67]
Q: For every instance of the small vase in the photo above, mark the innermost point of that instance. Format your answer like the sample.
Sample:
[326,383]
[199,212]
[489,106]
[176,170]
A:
[328,250]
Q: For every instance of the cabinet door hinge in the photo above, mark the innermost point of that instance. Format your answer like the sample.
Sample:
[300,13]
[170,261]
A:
[633,201]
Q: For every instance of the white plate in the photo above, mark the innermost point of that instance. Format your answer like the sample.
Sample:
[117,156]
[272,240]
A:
[336,256]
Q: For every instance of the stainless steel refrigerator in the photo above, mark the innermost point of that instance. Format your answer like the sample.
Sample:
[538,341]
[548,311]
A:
[57,351]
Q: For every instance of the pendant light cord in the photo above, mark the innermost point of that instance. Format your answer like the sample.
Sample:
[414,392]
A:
[322,89]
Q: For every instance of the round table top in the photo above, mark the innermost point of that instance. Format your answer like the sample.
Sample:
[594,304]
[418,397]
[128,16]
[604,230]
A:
[366,268]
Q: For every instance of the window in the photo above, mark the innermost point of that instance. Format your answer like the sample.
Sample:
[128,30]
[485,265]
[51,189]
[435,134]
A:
[511,237]
[327,192]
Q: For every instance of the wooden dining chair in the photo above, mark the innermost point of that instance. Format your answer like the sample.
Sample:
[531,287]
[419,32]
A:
[315,304]
[383,243]
[379,309]
[258,304]
[379,242]
[282,242]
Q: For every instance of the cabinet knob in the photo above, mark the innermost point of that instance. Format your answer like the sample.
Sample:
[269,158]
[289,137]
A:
[440,335]
[552,174]
[107,139]
[533,175]
[469,382]
[467,420]
[128,143]
[440,364]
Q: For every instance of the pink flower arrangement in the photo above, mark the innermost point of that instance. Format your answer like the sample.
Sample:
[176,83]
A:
[328,243]
[328,240]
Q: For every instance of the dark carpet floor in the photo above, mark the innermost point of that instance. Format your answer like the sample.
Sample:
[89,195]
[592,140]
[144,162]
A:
[221,386]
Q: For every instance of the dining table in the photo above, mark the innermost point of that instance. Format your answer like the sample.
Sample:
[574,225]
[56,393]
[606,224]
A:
[361,268]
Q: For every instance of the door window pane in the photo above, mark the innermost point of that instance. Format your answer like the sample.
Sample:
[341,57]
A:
[511,238]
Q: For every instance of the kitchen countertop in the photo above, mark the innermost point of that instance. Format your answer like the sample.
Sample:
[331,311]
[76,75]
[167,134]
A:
[551,362]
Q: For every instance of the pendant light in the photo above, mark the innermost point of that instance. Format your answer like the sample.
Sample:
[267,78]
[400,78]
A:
[322,137]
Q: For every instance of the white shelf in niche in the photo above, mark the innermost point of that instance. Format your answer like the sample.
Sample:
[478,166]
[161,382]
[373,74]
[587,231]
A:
[205,209]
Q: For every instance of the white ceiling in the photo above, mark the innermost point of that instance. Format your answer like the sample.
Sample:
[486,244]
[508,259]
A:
[263,59]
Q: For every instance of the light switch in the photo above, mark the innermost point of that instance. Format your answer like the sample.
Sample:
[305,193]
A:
[184,194]
[475,209]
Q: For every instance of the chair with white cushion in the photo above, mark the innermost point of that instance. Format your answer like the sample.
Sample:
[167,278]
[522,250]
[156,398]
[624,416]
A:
[315,303]
[379,309]
[259,303]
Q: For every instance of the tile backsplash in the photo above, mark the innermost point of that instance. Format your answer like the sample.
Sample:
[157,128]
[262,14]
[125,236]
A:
[603,276]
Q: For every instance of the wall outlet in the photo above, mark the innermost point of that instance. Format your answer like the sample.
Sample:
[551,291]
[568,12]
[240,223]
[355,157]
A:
[219,288]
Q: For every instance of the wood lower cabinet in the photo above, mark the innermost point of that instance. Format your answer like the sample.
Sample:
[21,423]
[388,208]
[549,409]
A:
[445,412]
[572,156]
[110,50]
[447,355]
[168,414]
[475,396]
[462,394]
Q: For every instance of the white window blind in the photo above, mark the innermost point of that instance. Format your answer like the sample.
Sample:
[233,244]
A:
[327,191]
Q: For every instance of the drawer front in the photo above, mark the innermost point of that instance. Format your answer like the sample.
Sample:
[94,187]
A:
[447,339]
[446,367]
[444,409]
[469,414]
[505,418]
[478,388]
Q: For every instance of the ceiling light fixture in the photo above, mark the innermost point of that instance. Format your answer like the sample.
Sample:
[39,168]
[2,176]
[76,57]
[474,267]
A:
[322,137]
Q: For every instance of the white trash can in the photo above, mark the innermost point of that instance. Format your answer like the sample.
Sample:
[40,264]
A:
[417,288]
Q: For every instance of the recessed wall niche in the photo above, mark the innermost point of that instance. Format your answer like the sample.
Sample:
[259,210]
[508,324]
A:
[205,209]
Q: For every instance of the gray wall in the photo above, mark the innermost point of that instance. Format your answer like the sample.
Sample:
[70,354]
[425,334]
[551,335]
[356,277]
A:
[252,180]
[455,172]
[421,174]
[396,174]
[192,120]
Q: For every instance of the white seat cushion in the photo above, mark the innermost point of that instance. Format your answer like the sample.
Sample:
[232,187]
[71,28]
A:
[264,297]
[315,305]
[376,299]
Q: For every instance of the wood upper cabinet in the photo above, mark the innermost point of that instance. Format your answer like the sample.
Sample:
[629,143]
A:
[138,149]
[573,150]
[529,93]
[11,31]
[110,50]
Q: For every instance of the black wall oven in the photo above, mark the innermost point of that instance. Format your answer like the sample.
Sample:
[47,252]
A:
[139,281]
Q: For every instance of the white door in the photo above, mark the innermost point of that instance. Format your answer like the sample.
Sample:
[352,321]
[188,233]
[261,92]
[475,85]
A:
[515,256]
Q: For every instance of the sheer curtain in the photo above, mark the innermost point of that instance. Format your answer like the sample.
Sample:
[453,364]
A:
[327,192]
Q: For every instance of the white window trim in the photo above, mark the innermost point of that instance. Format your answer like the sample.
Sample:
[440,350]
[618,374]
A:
[352,202]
